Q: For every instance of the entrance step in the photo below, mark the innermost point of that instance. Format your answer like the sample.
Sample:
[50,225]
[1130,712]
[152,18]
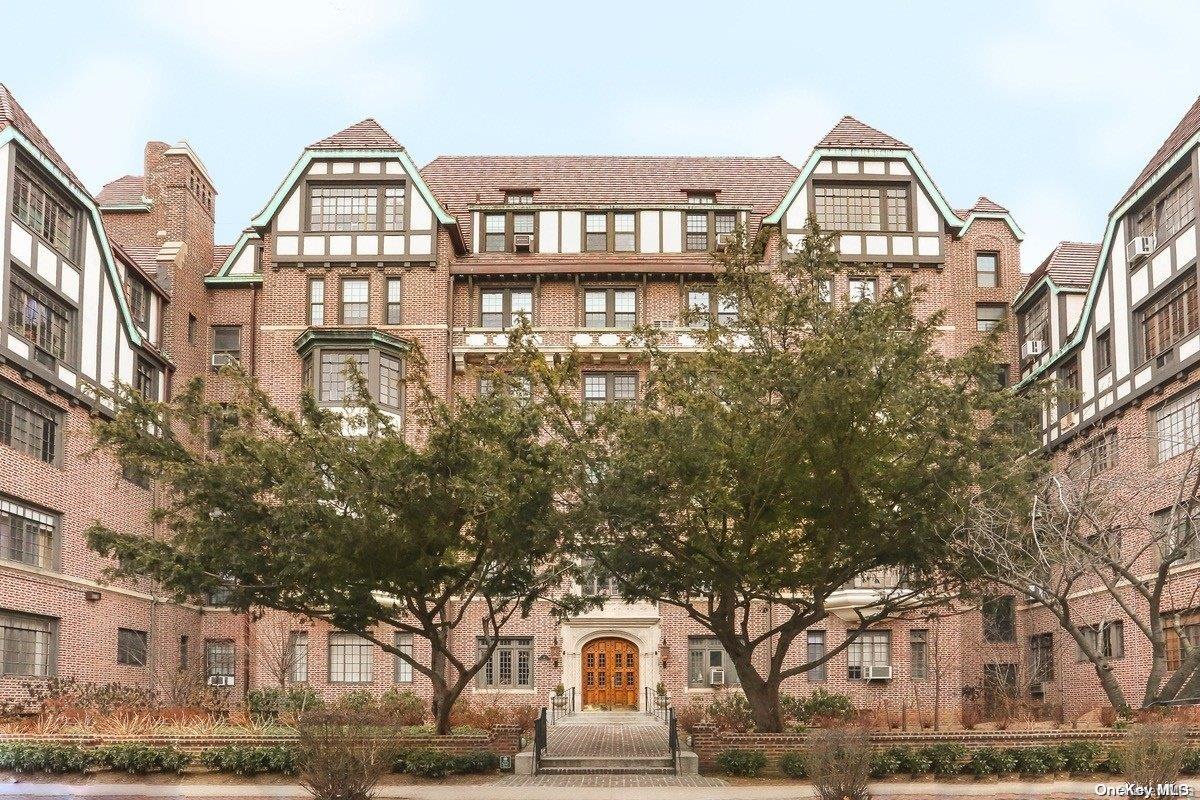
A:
[605,765]
[607,718]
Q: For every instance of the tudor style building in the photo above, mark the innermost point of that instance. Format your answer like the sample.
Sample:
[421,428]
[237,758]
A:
[361,253]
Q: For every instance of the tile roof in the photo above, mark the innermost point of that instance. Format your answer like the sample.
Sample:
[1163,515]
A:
[220,253]
[460,182]
[11,113]
[986,206]
[849,132]
[142,261]
[1186,129]
[368,135]
[1069,264]
[127,190]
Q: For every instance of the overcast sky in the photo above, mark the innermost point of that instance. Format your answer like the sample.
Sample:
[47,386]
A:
[1048,108]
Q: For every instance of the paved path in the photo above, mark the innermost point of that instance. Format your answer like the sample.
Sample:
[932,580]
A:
[637,736]
[581,788]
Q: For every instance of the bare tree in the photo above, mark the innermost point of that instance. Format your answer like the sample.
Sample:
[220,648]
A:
[1086,529]
[278,653]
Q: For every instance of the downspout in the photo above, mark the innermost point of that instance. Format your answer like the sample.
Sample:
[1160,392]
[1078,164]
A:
[253,374]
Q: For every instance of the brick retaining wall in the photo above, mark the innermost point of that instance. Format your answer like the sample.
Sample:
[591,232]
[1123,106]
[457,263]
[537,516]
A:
[708,741]
[502,740]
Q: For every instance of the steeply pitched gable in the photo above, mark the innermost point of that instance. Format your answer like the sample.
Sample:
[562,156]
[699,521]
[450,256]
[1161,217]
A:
[849,132]
[368,135]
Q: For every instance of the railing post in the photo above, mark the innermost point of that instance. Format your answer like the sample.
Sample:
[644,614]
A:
[539,739]
[673,738]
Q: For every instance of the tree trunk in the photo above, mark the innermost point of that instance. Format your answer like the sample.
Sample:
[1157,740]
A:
[1112,689]
[443,704]
[763,697]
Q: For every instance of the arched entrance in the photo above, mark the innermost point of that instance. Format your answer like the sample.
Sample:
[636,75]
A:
[610,673]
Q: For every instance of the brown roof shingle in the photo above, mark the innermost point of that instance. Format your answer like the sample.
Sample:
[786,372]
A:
[125,190]
[220,253]
[11,113]
[368,135]
[1186,129]
[987,206]
[849,132]
[460,182]
[1069,264]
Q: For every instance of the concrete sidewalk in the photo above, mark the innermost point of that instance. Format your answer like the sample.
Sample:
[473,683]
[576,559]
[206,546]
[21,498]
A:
[548,788]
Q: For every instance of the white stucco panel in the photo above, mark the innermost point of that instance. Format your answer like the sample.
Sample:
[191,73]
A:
[1139,284]
[898,168]
[877,245]
[366,245]
[420,244]
[672,225]
[929,245]
[649,228]
[393,245]
[289,214]
[823,168]
[244,265]
[319,168]
[927,215]
[1161,267]
[847,167]
[547,231]
[797,212]
[314,245]
[874,167]
[22,245]
[47,264]
[1185,247]
[1102,310]
[421,215]
[572,222]
[1189,348]
[70,282]
[902,245]
[339,245]
[850,245]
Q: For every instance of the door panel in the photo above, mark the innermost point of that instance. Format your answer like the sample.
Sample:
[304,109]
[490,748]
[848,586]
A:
[610,673]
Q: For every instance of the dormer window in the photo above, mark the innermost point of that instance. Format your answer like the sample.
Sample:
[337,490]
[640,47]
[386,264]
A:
[1167,214]
[839,207]
[139,302]
[47,212]
[701,198]
[347,207]
[522,197]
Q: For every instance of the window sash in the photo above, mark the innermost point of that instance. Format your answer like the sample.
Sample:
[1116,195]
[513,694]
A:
[1177,425]
[815,649]
[394,295]
[987,270]
[502,308]
[918,662]
[26,645]
[988,316]
[45,211]
[351,658]
[40,317]
[495,236]
[356,207]
[999,619]
[696,230]
[298,657]
[334,382]
[510,666]
[862,289]
[704,653]
[1041,657]
[131,647]
[609,387]
[316,302]
[404,670]
[356,301]
[610,308]
[27,535]
[870,648]
[218,658]
[29,425]
[227,339]
[1169,319]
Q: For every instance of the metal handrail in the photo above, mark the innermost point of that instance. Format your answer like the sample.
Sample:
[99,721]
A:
[539,739]
[673,738]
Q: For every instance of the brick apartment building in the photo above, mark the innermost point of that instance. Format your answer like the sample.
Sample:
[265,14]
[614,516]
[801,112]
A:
[360,251]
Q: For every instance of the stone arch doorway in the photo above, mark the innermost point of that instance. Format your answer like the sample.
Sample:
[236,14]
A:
[610,673]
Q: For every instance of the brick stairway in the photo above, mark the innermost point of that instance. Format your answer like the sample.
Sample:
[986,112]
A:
[609,743]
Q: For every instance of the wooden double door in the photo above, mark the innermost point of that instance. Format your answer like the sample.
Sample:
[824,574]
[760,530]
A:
[610,673]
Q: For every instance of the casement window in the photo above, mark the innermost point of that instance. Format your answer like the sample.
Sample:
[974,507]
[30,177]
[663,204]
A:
[391,381]
[139,302]
[351,658]
[335,378]
[596,232]
[707,305]
[987,270]
[918,655]
[185,654]
[1103,352]
[316,302]
[999,619]
[697,232]
[495,237]
[1166,215]
[46,211]
[1035,323]
[868,649]
[1187,626]
[861,208]
[1176,529]
[227,340]
[521,198]
[503,308]
[41,318]
[610,308]
[815,650]
[326,373]
[356,301]
[1107,639]
[1070,385]
[1003,376]
[27,644]
[27,535]
[624,232]
[609,387]
[29,425]
[862,289]
[218,658]
[1169,318]
[707,660]
[298,656]
[403,672]
[1041,657]
[988,316]
[145,378]
[393,309]
[901,286]
[511,664]
[1176,425]
[701,198]
[1097,454]
[340,207]
[131,647]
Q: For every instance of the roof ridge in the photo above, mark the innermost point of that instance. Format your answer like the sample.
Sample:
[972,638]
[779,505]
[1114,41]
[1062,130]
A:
[13,113]
[366,133]
[853,132]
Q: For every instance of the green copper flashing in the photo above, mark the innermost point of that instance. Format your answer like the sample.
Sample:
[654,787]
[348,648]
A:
[10,133]
[233,280]
[341,337]
[1110,233]
[1006,218]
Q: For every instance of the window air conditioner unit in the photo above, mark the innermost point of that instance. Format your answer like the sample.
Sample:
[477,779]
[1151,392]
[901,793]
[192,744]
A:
[664,323]
[716,676]
[724,239]
[522,242]
[221,359]
[220,680]
[1033,348]
[877,672]
[1139,247]
[1037,691]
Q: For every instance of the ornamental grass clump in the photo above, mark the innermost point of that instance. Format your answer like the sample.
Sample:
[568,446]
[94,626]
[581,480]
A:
[1154,753]
[839,763]
[342,755]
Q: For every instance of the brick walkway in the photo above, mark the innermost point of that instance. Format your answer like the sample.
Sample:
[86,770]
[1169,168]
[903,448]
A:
[609,781]
[642,738]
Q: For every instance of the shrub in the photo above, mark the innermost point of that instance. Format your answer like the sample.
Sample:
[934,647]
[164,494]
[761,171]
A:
[19,757]
[821,708]
[883,764]
[745,763]
[910,760]
[475,762]
[1112,763]
[1037,760]
[429,763]
[139,759]
[358,700]
[731,713]
[793,765]
[243,760]
[1191,761]
[839,763]
[1079,757]
[340,755]
[689,716]
[1153,753]
[403,708]
[945,757]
